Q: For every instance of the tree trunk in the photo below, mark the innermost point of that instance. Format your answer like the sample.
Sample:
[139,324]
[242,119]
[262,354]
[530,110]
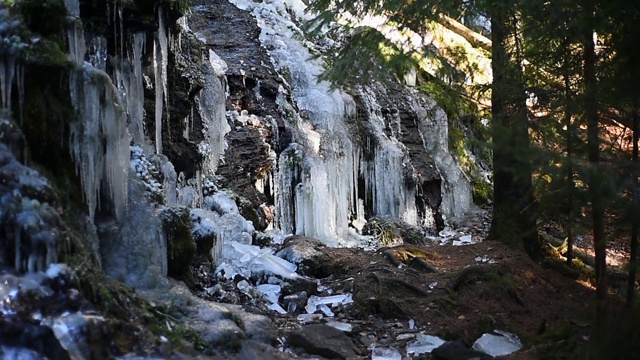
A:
[633,256]
[569,125]
[595,180]
[514,206]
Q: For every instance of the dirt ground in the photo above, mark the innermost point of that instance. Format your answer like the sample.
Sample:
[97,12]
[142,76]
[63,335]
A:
[512,294]
[474,289]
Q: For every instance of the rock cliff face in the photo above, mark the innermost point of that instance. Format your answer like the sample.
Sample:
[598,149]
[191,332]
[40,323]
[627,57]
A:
[225,95]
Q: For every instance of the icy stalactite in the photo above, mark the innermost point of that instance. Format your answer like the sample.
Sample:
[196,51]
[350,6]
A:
[161,56]
[99,122]
[20,86]
[135,90]
[434,130]
[169,183]
[385,176]
[7,72]
[212,108]
[97,53]
[287,176]
[99,139]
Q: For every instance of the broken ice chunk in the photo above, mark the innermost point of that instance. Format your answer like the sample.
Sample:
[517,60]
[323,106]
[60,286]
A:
[271,292]
[306,318]
[275,306]
[447,233]
[497,345]
[331,300]
[340,325]
[463,240]
[380,353]
[412,324]
[424,344]
[325,309]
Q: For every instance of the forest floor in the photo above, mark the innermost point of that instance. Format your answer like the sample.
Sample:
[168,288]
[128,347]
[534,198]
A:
[475,289]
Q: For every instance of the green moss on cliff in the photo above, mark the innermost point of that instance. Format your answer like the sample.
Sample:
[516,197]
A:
[181,248]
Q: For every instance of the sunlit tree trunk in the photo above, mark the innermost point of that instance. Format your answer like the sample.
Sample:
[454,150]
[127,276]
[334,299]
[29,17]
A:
[514,206]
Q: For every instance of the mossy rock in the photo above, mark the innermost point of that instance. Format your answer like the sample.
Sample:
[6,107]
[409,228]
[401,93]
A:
[181,248]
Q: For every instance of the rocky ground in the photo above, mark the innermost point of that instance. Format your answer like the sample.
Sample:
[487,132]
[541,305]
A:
[400,294]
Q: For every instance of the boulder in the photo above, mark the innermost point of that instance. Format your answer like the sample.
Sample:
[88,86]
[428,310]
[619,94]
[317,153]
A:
[323,340]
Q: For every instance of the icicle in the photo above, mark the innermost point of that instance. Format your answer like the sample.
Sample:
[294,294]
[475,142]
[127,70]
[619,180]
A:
[20,83]
[98,53]
[7,72]
[135,93]
[170,182]
[212,109]
[161,57]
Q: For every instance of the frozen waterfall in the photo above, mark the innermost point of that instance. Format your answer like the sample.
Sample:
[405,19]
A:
[100,119]
[329,176]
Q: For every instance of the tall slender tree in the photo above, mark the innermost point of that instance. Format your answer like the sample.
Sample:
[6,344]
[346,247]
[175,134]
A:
[514,206]
[595,180]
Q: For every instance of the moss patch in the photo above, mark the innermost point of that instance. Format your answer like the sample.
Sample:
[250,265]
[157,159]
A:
[181,248]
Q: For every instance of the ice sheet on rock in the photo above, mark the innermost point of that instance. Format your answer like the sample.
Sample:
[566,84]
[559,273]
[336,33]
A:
[380,353]
[424,344]
[222,203]
[497,345]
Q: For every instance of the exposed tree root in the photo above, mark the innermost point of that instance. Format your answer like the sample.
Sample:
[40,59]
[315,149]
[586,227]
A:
[478,270]
[413,255]
[389,255]
[407,284]
[424,264]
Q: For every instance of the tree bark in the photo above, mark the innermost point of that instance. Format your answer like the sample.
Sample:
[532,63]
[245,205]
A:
[635,207]
[595,180]
[570,187]
[514,206]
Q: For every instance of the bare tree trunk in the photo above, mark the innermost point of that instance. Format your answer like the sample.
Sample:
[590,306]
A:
[635,207]
[567,120]
[513,206]
[595,182]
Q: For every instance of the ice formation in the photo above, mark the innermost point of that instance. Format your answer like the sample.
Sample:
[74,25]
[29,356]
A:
[160,55]
[423,344]
[212,108]
[503,343]
[100,119]
[318,179]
